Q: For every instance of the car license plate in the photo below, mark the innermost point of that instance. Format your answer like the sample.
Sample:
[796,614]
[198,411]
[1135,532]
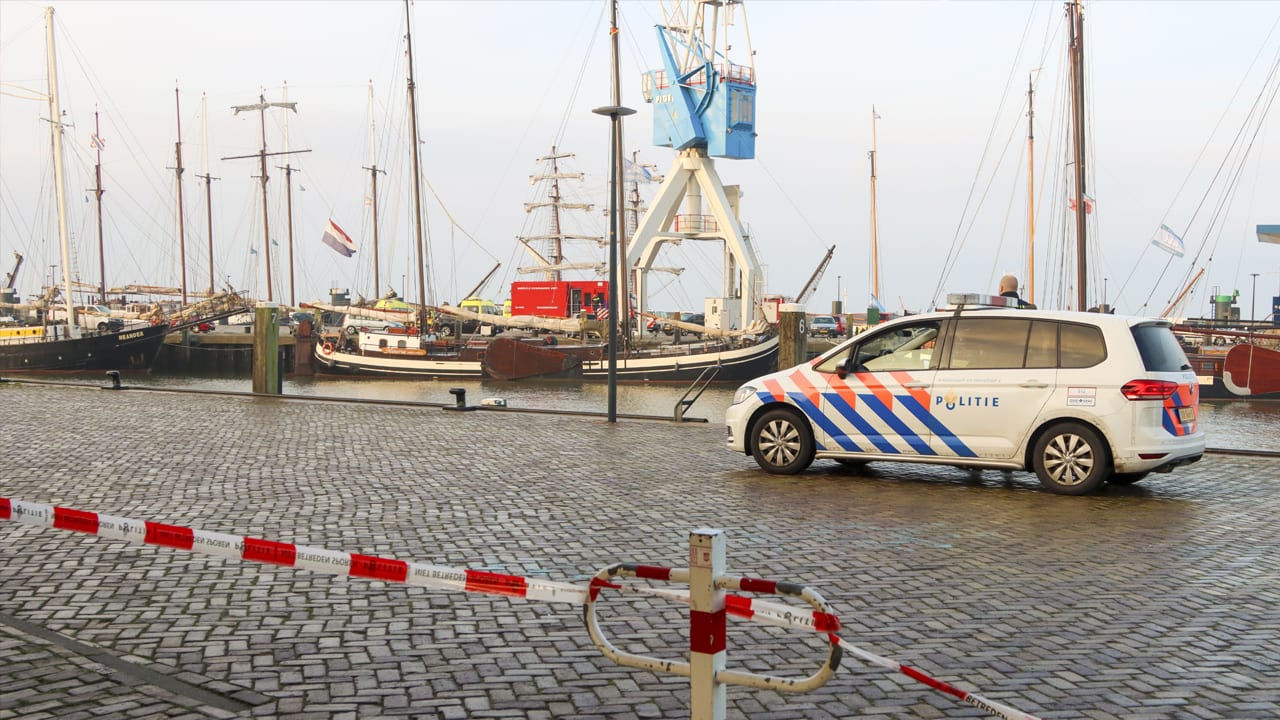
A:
[1186,414]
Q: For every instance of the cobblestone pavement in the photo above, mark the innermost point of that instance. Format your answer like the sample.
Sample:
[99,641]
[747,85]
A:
[1160,600]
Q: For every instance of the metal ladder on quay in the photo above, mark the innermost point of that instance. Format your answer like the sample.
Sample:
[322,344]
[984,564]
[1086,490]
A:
[699,385]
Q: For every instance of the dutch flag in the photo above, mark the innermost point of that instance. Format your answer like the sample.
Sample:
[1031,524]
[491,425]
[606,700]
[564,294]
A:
[335,238]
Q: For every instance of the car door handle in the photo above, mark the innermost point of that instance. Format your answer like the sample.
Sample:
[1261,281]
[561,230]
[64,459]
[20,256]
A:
[1033,384]
[915,385]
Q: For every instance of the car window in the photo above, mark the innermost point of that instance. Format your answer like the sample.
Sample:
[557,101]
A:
[1080,346]
[1042,345]
[903,347]
[1159,349]
[989,343]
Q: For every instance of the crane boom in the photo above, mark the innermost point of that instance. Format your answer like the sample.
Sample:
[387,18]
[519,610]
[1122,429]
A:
[815,278]
[12,277]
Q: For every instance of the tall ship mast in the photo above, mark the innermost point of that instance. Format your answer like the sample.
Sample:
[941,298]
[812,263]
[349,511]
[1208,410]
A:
[548,248]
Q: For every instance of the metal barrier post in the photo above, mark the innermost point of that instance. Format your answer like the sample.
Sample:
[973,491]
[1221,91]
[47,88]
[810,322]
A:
[706,624]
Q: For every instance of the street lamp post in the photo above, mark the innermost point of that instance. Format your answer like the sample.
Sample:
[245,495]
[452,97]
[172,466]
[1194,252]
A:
[615,114]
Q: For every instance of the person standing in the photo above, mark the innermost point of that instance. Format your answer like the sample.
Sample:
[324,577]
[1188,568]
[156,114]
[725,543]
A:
[1009,289]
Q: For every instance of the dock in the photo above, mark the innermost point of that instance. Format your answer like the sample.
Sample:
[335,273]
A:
[1154,600]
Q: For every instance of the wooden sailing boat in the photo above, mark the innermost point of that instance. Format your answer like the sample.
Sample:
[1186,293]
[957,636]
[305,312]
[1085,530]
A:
[68,346]
[398,344]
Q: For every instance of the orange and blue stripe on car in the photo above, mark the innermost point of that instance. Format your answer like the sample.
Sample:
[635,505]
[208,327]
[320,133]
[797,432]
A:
[844,399]
[808,404]
[1187,395]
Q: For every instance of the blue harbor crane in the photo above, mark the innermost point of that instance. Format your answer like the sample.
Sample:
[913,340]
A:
[703,107]
[711,104]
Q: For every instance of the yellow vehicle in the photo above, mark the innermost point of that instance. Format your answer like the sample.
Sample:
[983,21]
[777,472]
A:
[480,305]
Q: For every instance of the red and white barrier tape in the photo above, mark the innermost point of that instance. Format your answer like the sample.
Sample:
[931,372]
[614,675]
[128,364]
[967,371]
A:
[439,577]
[287,554]
[977,701]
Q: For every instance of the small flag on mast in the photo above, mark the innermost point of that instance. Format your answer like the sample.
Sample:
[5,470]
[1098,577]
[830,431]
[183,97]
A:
[1088,205]
[335,238]
[635,172]
[1168,240]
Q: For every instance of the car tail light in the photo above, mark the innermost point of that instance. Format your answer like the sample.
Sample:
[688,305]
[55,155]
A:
[1148,389]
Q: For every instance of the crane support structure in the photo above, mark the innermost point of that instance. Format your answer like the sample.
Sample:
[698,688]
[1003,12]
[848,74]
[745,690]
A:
[704,106]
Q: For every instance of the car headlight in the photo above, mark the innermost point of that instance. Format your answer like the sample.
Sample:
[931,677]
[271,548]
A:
[744,392]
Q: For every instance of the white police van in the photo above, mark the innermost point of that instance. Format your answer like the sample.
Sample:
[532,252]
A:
[1080,398]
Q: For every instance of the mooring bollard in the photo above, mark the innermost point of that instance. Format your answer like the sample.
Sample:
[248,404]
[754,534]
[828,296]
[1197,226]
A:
[115,380]
[793,336]
[266,349]
[459,400]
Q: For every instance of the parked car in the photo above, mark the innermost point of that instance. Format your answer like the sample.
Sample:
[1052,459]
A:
[695,318]
[826,326]
[97,317]
[656,323]
[1079,398]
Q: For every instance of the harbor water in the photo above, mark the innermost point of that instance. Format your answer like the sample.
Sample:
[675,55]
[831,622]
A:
[1234,424]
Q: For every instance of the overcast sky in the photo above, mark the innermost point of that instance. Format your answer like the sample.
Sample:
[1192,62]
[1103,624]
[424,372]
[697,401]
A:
[1170,87]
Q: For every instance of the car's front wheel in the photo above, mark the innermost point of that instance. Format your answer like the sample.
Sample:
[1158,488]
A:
[1070,459]
[781,442]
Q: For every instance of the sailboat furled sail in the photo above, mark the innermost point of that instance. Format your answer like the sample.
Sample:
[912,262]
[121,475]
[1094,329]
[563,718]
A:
[68,345]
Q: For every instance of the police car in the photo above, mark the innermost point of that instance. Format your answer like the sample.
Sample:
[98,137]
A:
[1079,398]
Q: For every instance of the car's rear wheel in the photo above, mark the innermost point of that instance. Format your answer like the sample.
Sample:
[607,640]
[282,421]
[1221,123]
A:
[781,442]
[1126,478]
[1070,459]
[102,327]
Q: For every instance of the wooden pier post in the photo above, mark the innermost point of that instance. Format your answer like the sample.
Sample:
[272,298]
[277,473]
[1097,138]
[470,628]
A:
[303,344]
[793,335]
[266,348]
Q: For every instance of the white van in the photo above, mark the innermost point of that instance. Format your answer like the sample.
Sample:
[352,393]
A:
[1080,398]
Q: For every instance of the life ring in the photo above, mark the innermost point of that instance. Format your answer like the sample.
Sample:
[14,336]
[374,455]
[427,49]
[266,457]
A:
[327,348]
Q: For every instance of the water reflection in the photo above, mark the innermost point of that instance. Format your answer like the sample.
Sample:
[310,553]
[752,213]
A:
[1243,424]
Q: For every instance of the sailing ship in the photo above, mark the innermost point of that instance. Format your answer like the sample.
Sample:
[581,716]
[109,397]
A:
[374,342]
[1228,357]
[691,115]
[1234,359]
[399,342]
[68,345]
